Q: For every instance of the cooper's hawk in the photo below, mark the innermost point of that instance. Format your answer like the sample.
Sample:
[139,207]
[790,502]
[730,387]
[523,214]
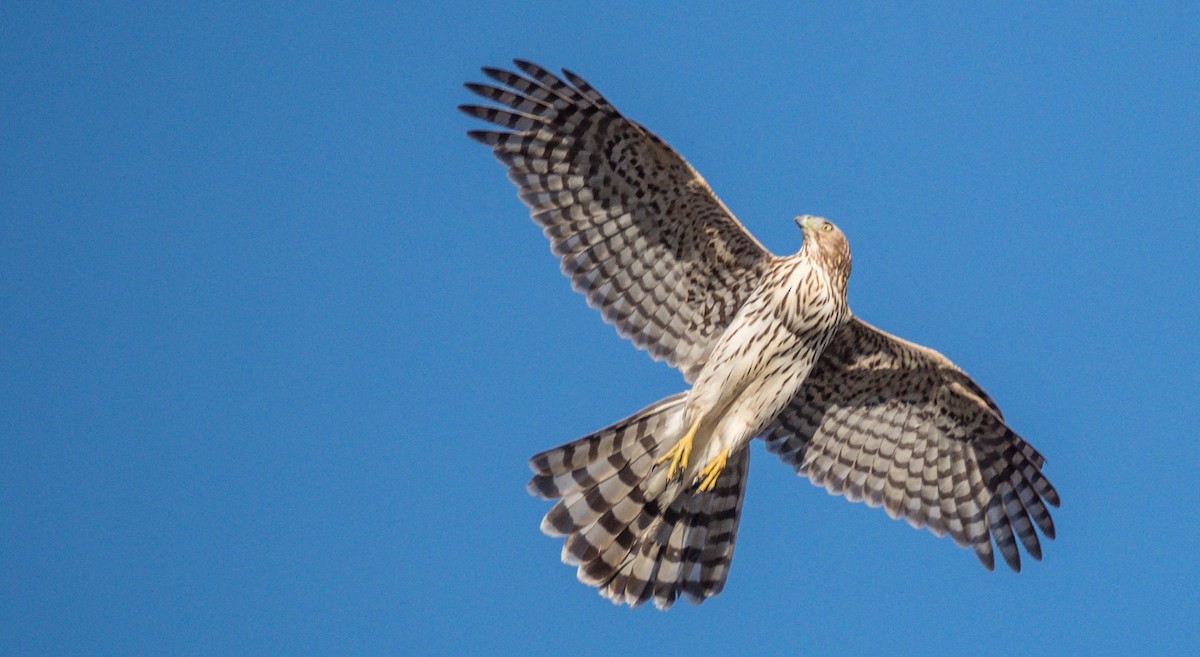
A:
[649,506]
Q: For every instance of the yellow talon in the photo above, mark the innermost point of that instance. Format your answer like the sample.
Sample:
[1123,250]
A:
[712,470]
[680,453]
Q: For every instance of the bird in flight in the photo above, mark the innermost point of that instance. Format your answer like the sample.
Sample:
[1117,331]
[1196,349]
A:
[649,505]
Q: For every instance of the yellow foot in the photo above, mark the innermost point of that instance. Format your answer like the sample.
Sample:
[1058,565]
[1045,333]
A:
[712,470]
[680,453]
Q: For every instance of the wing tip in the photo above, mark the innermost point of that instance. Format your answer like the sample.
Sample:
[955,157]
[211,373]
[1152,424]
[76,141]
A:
[1048,530]
[983,551]
[496,73]
[486,137]
[1052,497]
[472,110]
[1012,557]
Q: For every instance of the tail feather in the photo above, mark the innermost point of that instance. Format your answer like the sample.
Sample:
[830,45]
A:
[579,453]
[690,585]
[630,531]
[626,543]
[670,570]
[686,550]
[583,508]
[568,484]
[722,520]
[630,516]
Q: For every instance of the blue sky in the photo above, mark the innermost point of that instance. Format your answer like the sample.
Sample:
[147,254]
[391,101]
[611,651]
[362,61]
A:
[277,338]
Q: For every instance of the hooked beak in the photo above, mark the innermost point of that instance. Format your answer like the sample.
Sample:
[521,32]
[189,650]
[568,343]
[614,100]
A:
[806,221]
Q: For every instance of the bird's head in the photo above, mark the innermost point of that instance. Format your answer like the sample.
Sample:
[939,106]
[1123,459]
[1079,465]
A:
[826,242]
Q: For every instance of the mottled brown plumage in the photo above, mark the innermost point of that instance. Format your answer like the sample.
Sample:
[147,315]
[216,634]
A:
[649,506]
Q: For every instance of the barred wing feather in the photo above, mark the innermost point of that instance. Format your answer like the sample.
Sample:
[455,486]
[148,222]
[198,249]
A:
[639,232]
[888,422]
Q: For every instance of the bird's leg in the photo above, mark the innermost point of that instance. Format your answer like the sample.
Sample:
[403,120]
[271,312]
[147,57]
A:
[712,470]
[680,453]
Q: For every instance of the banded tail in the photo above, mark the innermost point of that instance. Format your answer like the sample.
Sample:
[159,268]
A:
[632,532]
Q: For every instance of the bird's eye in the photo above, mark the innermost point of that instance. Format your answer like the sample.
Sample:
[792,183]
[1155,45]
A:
[826,227]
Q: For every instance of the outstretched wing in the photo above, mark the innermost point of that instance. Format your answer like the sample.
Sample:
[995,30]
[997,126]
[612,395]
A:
[638,230]
[886,421]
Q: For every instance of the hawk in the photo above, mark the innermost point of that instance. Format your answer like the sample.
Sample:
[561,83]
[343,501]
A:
[649,506]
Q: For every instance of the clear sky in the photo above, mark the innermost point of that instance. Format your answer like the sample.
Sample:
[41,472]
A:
[277,338]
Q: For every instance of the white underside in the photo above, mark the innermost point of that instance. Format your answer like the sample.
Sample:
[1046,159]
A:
[756,368]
